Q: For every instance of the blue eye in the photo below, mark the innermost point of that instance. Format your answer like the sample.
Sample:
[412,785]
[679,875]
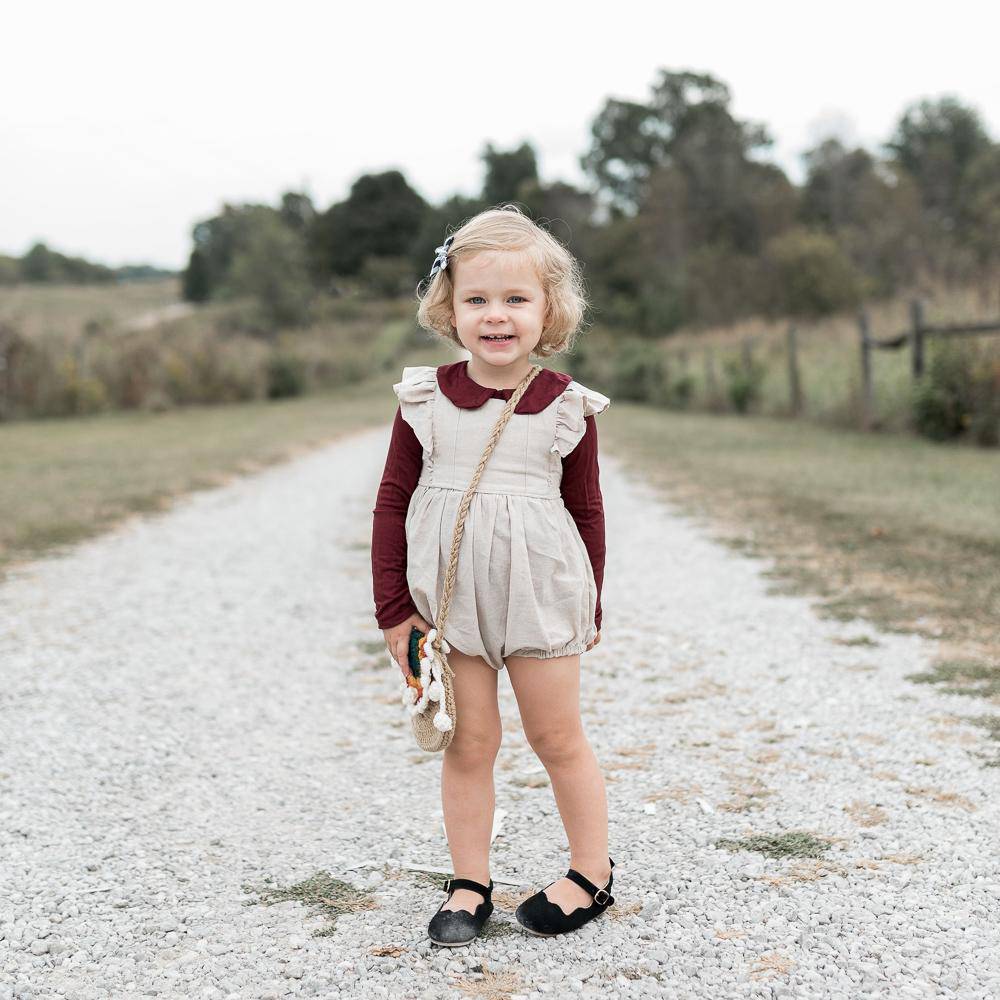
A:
[472,297]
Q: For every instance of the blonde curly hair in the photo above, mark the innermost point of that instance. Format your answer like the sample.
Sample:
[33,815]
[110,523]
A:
[506,227]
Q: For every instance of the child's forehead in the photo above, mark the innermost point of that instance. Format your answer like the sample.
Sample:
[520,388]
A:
[496,266]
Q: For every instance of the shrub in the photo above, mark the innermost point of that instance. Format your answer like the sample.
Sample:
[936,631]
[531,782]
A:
[286,375]
[638,373]
[743,382]
[943,400]
[811,275]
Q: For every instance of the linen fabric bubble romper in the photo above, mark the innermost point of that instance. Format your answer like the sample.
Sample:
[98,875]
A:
[524,584]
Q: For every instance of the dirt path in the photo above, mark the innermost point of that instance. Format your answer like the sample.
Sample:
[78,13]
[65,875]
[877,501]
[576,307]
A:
[174,759]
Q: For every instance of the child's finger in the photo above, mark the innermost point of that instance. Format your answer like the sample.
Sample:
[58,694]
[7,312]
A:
[402,656]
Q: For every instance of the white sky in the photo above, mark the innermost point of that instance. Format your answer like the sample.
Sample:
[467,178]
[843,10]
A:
[125,123]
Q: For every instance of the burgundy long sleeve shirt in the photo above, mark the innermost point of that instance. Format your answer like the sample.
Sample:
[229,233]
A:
[580,488]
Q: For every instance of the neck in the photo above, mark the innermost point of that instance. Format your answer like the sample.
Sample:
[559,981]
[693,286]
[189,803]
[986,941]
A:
[489,379]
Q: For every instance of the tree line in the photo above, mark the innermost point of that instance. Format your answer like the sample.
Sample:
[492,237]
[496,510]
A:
[44,266]
[685,223]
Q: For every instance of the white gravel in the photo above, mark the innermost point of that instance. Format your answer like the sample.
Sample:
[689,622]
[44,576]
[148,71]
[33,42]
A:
[168,736]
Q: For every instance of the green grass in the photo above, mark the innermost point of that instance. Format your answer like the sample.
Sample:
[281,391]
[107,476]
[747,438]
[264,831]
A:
[321,893]
[66,479]
[963,677]
[897,531]
[796,844]
[41,309]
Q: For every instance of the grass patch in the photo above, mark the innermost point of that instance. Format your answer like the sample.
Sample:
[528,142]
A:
[64,480]
[795,844]
[863,522]
[991,723]
[857,640]
[966,677]
[321,893]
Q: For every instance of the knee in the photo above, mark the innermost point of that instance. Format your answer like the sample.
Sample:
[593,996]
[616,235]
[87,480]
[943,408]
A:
[474,746]
[558,744]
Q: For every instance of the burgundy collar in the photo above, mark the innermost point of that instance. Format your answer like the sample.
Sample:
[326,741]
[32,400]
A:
[468,394]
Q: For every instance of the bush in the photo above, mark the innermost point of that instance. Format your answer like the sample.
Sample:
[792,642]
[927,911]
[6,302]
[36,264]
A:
[286,376]
[935,413]
[387,277]
[810,274]
[944,400]
[743,382]
[638,373]
[680,391]
[985,423]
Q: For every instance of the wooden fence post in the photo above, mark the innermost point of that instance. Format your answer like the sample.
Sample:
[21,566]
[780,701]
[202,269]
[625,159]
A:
[794,382]
[917,338]
[867,399]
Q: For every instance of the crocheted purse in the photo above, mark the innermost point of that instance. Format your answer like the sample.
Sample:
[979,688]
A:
[430,693]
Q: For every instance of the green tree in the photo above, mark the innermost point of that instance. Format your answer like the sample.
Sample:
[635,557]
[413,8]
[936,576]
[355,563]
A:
[270,266]
[979,205]
[935,141]
[196,279]
[438,221]
[686,121]
[297,211]
[39,264]
[810,275]
[380,217]
[872,209]
[507,173]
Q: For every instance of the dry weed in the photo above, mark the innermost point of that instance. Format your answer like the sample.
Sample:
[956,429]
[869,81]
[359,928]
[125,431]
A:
[771,963]
[939,795]
[866,814]
[803,871]
[493,985]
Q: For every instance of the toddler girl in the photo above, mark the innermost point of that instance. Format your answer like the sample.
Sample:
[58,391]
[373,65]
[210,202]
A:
[531,561]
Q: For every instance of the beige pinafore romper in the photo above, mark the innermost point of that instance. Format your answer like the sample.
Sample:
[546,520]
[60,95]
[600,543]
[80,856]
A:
[524,584]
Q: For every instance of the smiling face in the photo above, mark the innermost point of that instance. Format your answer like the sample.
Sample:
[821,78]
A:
[496,295]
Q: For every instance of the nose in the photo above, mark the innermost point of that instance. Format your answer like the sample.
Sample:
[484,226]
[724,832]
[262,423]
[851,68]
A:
[496,313]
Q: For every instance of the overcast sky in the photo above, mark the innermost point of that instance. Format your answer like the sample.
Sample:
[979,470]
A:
[125,123]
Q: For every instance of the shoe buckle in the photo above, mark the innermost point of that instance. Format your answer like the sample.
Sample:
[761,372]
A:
[447,886]
[598,899]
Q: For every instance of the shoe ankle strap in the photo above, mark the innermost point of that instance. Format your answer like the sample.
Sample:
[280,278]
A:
[468,883]
[601,896]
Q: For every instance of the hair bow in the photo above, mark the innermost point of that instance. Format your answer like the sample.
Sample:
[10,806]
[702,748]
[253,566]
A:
[441,256]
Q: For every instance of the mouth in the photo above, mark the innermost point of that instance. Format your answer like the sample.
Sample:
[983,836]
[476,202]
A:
[498,338]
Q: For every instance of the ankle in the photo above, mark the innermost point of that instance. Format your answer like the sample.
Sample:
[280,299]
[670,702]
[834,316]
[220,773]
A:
[482,880]
[597,873]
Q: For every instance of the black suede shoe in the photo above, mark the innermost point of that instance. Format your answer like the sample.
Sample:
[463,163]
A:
[539,915]
[455,927]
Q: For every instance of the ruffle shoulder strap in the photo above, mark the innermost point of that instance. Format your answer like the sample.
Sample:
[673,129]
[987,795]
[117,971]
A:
[416,396]
[576,404]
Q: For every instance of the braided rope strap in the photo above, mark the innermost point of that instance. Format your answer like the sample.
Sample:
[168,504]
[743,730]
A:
[427,728]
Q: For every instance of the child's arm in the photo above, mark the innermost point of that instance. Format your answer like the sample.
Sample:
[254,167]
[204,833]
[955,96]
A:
[581,493]
[403,466]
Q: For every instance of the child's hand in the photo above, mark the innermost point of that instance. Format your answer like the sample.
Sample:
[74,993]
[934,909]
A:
[594,642]
[397,641]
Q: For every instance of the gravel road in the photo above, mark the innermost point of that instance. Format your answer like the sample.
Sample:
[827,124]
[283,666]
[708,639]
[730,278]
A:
[169,751]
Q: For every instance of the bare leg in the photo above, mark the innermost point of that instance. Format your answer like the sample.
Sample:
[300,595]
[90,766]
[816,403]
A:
[467,792]
[548,698]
